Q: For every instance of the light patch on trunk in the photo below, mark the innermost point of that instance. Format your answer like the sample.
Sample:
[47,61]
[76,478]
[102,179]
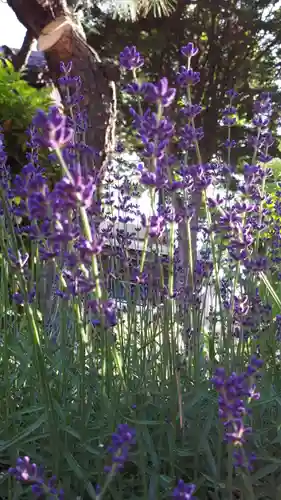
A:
[52,33]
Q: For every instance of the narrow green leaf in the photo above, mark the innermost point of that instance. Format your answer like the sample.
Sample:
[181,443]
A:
[270,289]
[24,434]
[264,471]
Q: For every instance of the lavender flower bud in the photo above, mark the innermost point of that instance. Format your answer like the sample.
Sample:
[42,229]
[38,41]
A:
[54,130]
[187,77]
[121,441]
[159,92]
[189,50]
[183,490]
[130,58]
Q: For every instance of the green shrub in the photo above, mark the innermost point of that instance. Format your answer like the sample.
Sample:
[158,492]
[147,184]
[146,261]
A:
[18,104]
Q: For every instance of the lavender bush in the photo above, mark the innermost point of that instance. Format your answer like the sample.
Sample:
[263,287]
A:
[164,316]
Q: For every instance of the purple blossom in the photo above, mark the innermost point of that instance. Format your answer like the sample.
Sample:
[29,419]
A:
[109,311]
[18,261]
[103,310]
[229,120]
[184,490]
[229,110]
[78,191]
[230,143]
[189,135]
[191,110]
[151,128]
[267,138]
[27,472]
[133,88]
[157,226]
[159,92]
[234,393]
[66,68]
[231,93]
[121,442]
[131,59]
[154,179]
[53,128]
[189,50]
[37,206]
[88,248]
[263,106]
[240,459]
[19,299]
[261,121]
[187,77]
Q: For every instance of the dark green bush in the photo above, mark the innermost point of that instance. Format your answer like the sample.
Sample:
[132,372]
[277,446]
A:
[18,104]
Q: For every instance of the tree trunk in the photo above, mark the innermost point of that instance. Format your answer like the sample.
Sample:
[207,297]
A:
[61,40]
[20,58]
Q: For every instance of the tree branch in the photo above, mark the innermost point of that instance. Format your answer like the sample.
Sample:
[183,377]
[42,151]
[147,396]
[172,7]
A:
[20,59]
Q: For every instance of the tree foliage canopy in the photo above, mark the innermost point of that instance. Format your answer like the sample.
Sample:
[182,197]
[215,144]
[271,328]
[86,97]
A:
[239,46]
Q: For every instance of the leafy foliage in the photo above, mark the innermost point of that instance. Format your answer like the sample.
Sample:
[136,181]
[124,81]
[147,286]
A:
[234,52]
[18,104]
[132,9]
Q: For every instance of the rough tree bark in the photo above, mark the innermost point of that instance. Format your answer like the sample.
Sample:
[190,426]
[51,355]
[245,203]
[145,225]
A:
[60,38]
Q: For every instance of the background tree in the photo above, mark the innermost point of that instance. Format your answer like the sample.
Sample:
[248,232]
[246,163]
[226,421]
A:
[62,40]
[239,47]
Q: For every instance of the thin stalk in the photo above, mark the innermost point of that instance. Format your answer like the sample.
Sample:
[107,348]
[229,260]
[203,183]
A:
[209,219]
[229,471]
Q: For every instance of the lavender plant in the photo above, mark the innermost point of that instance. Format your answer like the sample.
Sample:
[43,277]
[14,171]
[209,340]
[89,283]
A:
[112,310]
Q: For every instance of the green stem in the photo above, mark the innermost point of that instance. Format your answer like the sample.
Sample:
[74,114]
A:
[229,470]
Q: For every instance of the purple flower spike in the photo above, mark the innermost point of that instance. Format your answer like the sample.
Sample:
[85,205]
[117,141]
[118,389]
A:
[187,77]
[121,441]
[54,130]
[184,491]
[235,391]
[231,93]
[76,192]
[241,460]
[157,226]
[130,58]
[189,50]
[27,472]
[66,68]
[18,261]
[256,362]
[132,88]
[159,92]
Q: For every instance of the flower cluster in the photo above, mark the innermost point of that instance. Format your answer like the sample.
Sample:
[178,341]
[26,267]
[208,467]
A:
[250,315]
[240,220]
[183,490]
[235,392]
[157,132]
[54,129]
[61,219]
[29,473]
[121,442]
[130,58]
